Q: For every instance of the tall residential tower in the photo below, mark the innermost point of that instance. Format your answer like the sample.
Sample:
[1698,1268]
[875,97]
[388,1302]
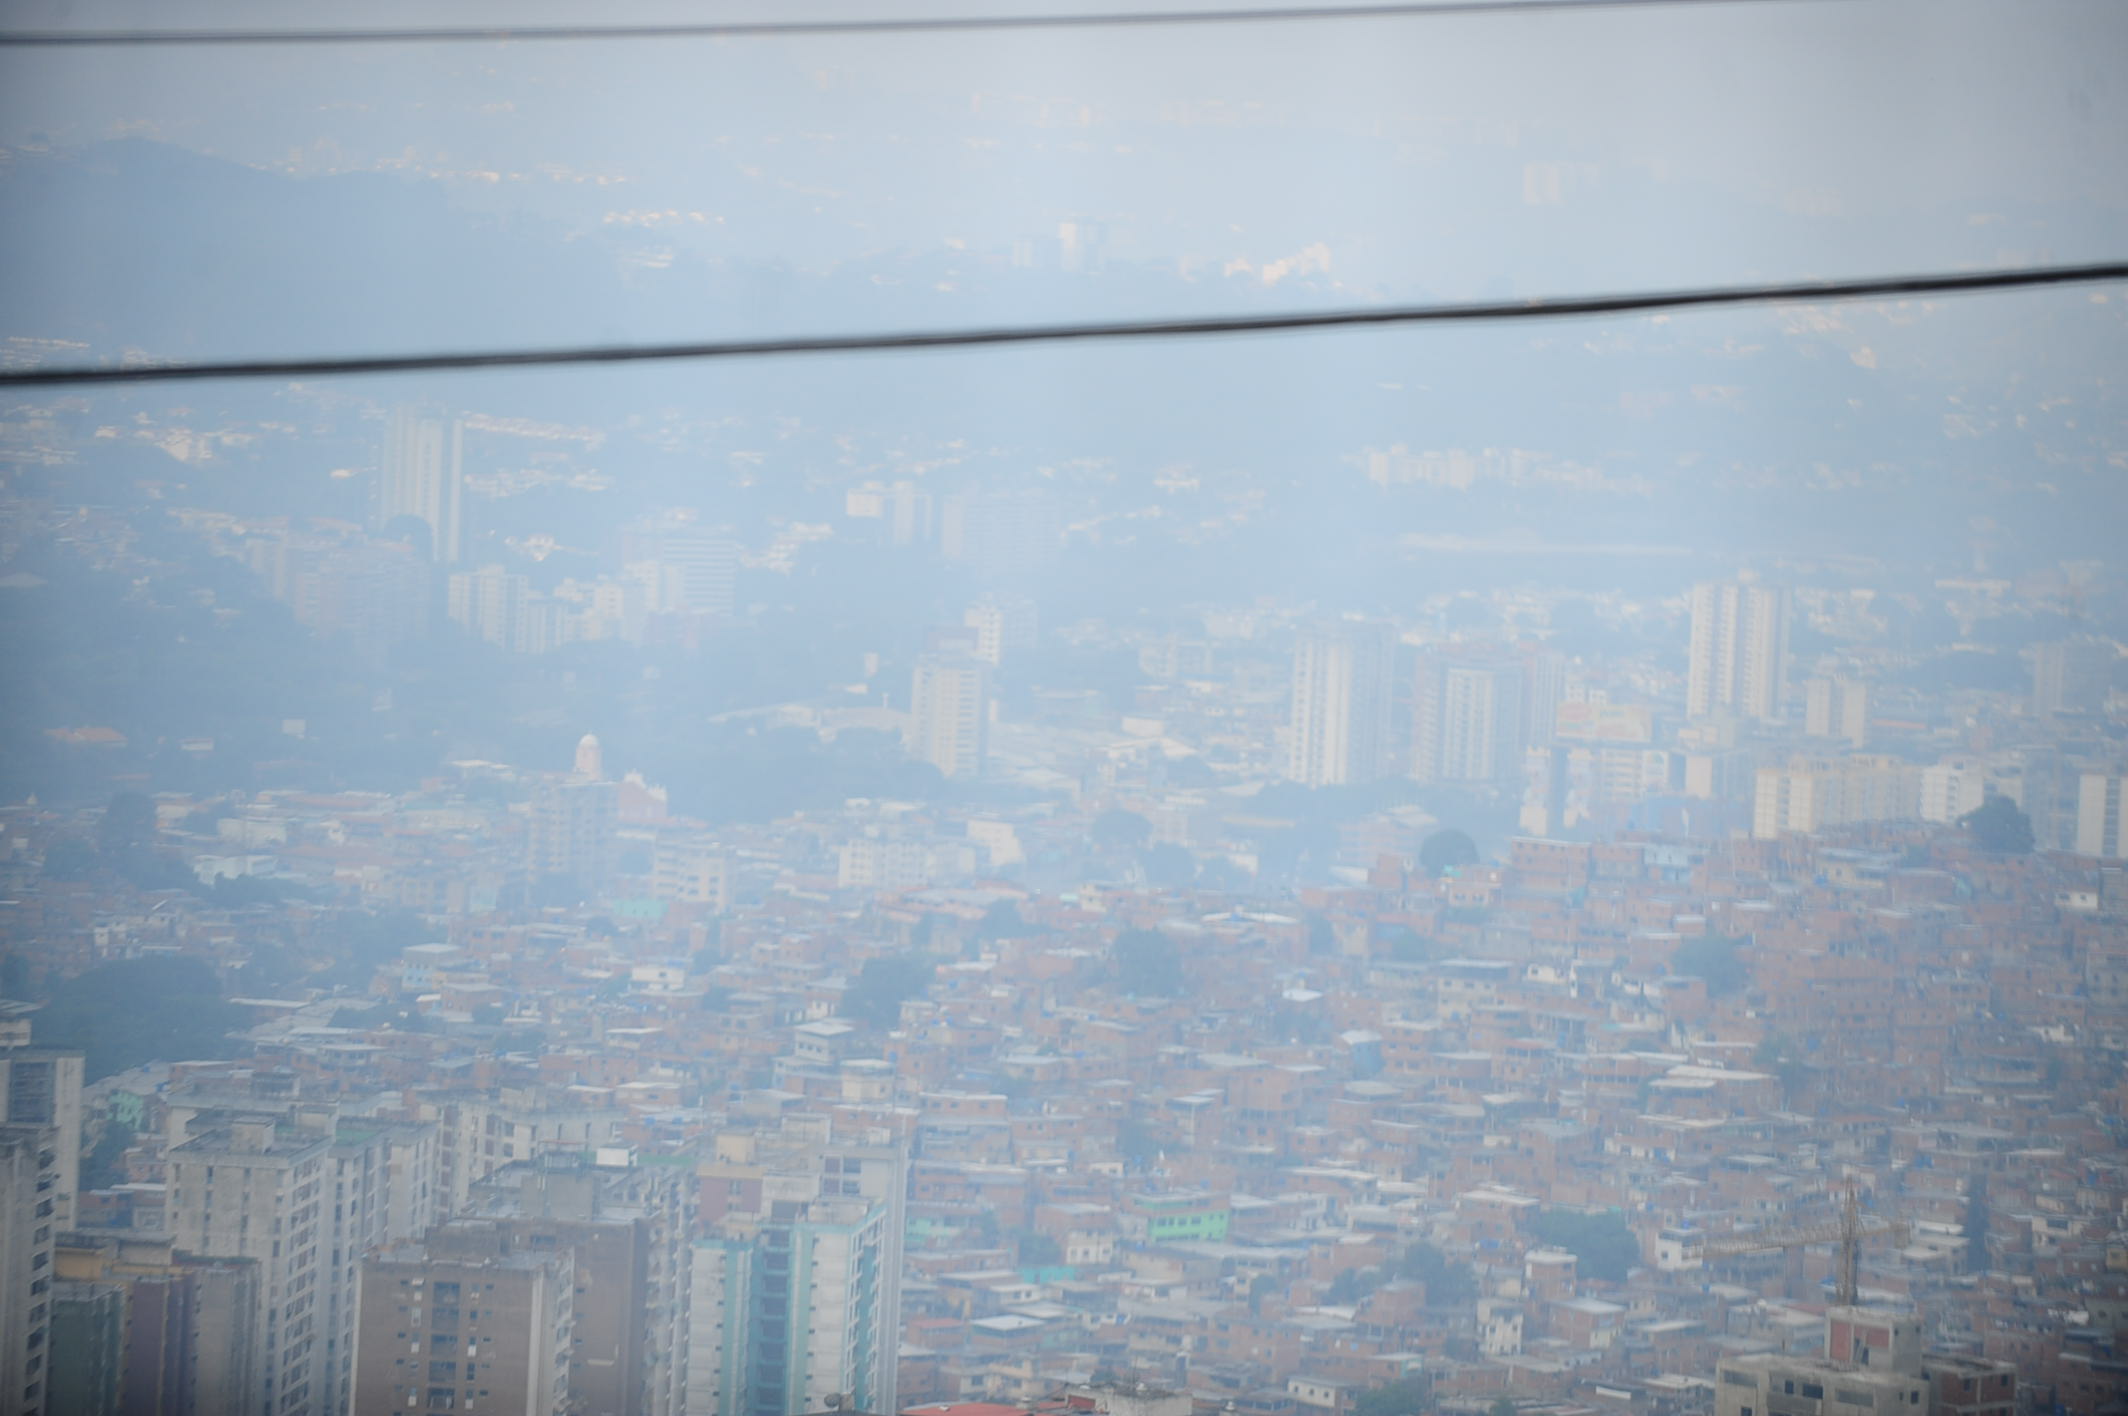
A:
[1739,651]
[1339,731]
[423,477]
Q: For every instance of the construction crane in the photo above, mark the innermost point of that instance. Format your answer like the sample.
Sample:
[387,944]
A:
[1847,1232]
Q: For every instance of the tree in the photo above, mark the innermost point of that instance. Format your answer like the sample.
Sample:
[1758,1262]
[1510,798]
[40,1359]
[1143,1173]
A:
[69,858]
[1118,830]
[882,986]
[1168,866]
[105,1164]
[127,825]
[1412,1396]
[359,942]
[1147,964]
[1002,921]
[1714,958]
[1446,850]
[1604,1245]
[273,971]
[1446,1283]
[1403,943]
[1038,1250]
[160,1008]
[1135,1142]
[1353,1284]
[1777,1054]
[1998,827]
[1502,1406]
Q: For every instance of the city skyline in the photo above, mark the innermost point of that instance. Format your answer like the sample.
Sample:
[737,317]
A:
[1376,711]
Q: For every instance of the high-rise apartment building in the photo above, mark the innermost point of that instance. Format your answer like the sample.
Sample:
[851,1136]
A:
[687,567]
[29,1185]
[625,1226]
[423,477]
[706,565]
[1738,658]
[358,1175]
[1810,794]
[1338,732]
[186,1341]
[949,714]
[495,605]
[88,1343]
[41,1086]
[367,595]
[796,1284]
[1002,625]
[2071,675]
[469,1320]
[690,866]
[1836,708]
[1953,787]
[2102,814]
[570,836]
[1543,690]
[479,1133]
[1467,720]
[1000,535]
[258,1171]
[245,1186]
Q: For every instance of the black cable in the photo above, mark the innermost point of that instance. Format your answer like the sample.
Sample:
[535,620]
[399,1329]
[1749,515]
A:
[1805,292]
[756,29]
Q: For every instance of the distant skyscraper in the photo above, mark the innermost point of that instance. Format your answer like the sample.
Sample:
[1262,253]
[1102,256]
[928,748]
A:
[1339,729]
[708,566]
[490,602]
[424,477]
[2070,676]
[1836,708]
[1000,535]
[1739,651]
[1467,720]
[1543,687]
[570,836]
[1002,626]
[949,714]
[2102,814]
[370,596]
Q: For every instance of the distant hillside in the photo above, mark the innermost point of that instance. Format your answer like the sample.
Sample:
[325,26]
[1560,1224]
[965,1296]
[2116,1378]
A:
[182,254]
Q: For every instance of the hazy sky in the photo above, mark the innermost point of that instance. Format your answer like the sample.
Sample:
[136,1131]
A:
[1656,146]
[673,189]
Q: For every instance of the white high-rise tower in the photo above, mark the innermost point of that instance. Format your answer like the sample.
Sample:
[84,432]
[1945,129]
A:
[1468,719]
[1739,653]
[949,714]
[423,477]
[1340,726]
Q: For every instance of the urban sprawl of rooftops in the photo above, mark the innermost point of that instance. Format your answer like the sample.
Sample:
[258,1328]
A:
[1764,1057]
